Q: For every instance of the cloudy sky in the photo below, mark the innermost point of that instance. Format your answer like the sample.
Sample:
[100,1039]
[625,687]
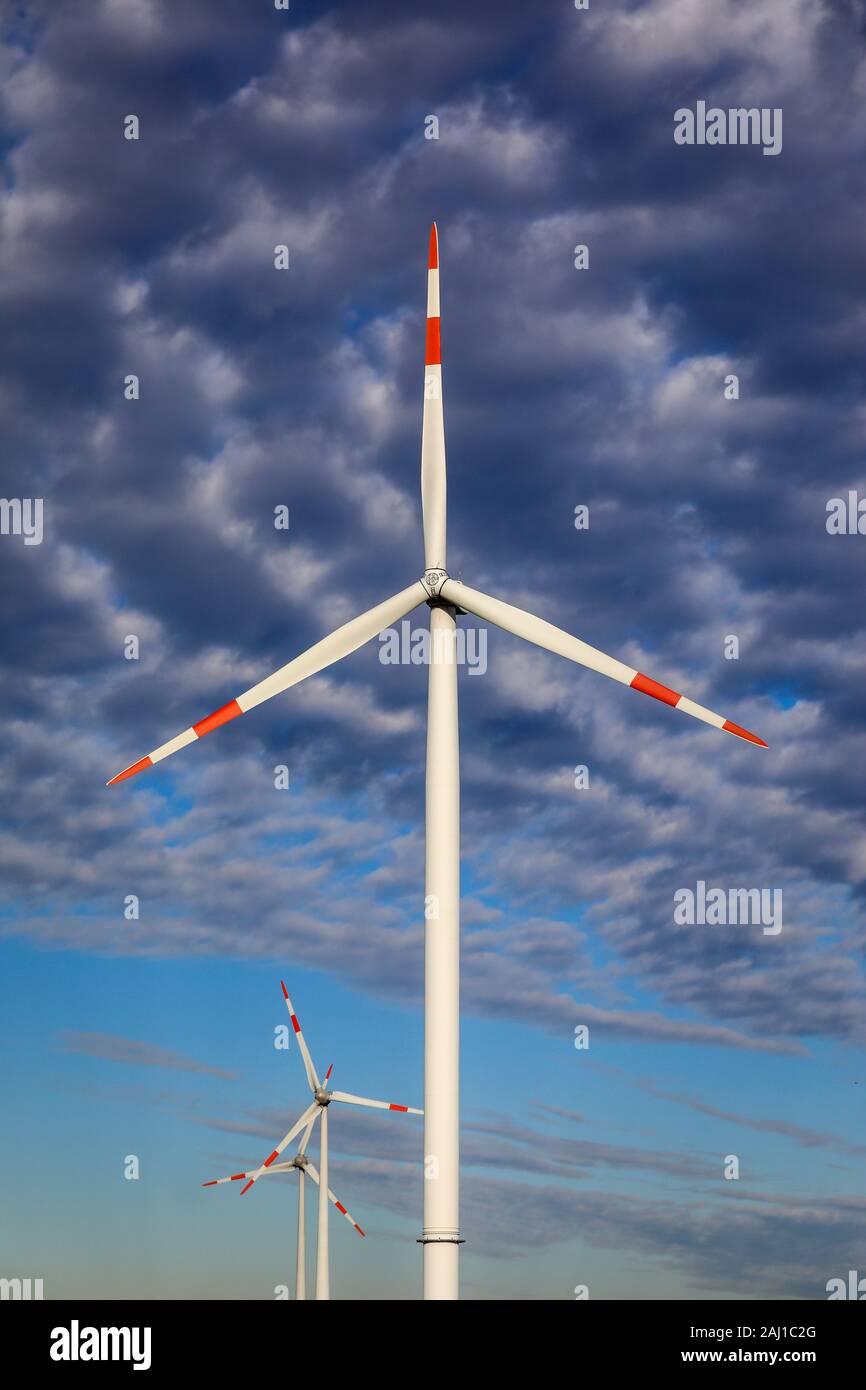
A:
[263,388]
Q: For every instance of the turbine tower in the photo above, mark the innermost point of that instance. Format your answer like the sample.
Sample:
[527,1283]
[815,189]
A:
[446,599]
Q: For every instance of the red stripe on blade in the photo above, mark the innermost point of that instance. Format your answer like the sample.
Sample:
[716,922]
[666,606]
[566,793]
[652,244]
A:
[212,1183]
[658,692]
[248,1186]
[295,1024]
[236,1177]
[340,1207]
[285,991]
[131,771]
[433,258]
[433,351]
[730,728]
[404,1108]
[358,1228]
[268,1161]
[219,716]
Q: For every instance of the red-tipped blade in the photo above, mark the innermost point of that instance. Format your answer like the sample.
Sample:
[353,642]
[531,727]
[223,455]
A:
[235,1177]
[131,771]
[433,259]
[313,1173]
[309,1114]
[312,1075]
[334,647]
[553,639]
[731,728]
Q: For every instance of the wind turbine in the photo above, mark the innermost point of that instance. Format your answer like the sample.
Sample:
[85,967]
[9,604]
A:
[322,1098]
[446,598]
[301,1165]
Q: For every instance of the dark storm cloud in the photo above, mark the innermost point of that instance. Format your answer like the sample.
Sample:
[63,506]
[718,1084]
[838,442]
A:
[605,387]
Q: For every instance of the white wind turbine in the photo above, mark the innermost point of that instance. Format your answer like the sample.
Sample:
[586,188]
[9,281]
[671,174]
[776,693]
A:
[322,1098]
[303,1166]
[446,598]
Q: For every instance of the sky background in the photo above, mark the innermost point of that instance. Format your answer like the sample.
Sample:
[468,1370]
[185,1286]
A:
[261,388]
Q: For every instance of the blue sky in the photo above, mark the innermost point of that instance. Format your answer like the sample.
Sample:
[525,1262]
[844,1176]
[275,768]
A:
[260,388]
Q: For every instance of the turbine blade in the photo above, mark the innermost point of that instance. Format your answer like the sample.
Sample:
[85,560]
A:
[312,1074]
[374,1104]
[433,424]
[345,640]
[310,1168]
[296,1128]
[236,1177]
[553,639]
[307,1132]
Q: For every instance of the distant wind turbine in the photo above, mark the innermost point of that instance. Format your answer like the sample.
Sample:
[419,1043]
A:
[303,1166]
[446,598]
[322,1098]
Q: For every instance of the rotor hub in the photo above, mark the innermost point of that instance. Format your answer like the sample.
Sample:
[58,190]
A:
[433,579]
